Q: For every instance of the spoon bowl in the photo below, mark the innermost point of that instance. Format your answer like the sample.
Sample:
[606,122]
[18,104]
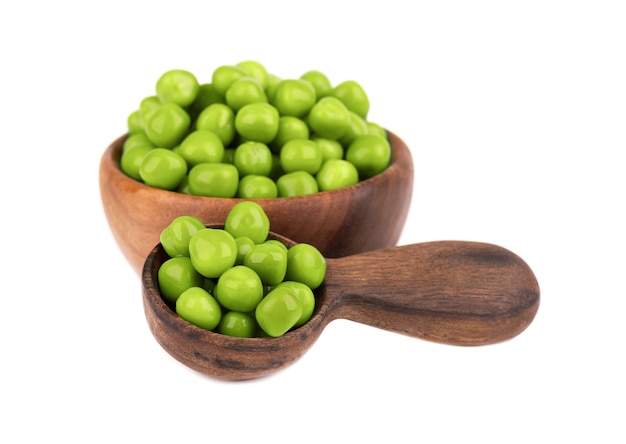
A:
[451,292]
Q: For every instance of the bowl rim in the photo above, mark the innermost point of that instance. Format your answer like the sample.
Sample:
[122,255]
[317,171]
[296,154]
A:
[401,158]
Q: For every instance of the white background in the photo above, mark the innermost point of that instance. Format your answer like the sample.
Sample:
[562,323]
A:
[515,113]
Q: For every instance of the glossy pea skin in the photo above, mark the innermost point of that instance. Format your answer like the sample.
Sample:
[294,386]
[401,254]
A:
[147,107]
[329,118]
[357,127]
[375,129]
[336,174]
[133,122]
[218,118]
[294,97]
[223,77]
[289,128]
[305,264]
[248,219]
[278,311]
[244,91]
[244,244]
[162,168]
[213,180]
[352,94]
[177,86]
[297,183]
[370,155]
[255,186]
[212,252]
[207,96]
[237,324]
[330,148]
[301,155]
[167,126]
[131,159]
[257,122]
[320,82]
[201,146]
[269,261]
[239,288]
[176,275]
[305,296]
[255,70]
[136,138]
[199,307]
[253,158]
[176,236]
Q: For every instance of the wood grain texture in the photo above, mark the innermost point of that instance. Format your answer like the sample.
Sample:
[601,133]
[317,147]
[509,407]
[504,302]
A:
[367,216]
[452,292]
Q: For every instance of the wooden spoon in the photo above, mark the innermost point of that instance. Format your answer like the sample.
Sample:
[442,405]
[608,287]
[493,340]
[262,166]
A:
[452,292]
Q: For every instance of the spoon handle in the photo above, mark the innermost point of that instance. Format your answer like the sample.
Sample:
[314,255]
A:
[455,292]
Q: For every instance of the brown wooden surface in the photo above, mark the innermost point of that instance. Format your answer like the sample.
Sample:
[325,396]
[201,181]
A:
[364,217]
[460,293]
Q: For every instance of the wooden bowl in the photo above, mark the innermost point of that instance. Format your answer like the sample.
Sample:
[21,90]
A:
[363,217]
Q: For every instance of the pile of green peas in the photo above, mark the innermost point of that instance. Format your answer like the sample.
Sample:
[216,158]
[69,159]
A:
[236,281]
[250,134]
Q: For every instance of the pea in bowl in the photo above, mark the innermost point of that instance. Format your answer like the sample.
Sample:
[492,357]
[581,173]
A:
[358,218]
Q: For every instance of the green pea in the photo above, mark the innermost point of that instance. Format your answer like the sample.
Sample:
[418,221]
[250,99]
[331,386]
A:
[197,306]
[353,95]
[175,237]
[219,119]
[207,96]
[294,97]
[305,296]
[177,86]
[162,168]
[224,76]
[255,70]
[278,311]
[133,122]
[376,130]
[131,160]
[136,138]
[289,128]
[201,146]
[239,288]
[237,324]
[176,275]
[320,82]
[301,155]
[357,127]
[297,183]
[212,252]
[244,244]
[329,118]
[255,186]
[229,156]
[167,125]
[330,148]
[248,219]
[335,174]
[253,158]
[213,180]
[305,264]
[258,122]
[269,261]
[147,107]
[244,91]
[370,155]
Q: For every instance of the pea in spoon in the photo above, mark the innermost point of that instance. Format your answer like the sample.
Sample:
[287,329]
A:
[451,292]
